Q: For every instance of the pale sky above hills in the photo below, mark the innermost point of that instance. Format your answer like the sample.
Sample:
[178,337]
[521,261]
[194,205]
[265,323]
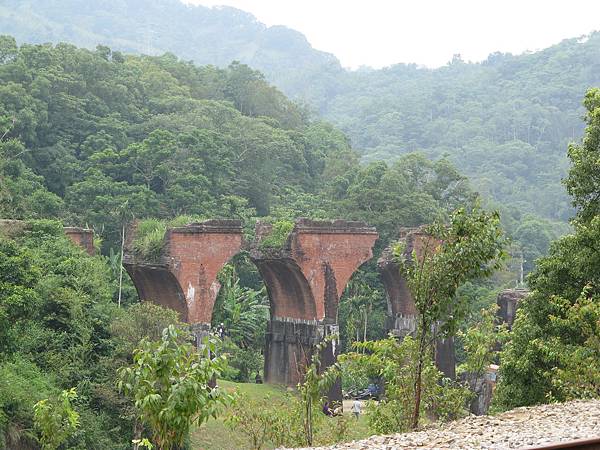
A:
[428,32]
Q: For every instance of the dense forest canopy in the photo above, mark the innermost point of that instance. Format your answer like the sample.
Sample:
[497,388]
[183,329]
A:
[99,138]
[505,121]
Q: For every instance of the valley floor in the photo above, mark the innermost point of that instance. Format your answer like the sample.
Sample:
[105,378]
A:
[518,428]
[215,435]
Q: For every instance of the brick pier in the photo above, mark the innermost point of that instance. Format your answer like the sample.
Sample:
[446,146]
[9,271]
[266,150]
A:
[305,280]
[185,277]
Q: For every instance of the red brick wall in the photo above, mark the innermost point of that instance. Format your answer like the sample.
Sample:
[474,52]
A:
[343,252]
[195,259]
[82,237]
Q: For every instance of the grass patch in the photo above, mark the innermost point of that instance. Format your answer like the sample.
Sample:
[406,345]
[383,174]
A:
[150,233]
[215,435]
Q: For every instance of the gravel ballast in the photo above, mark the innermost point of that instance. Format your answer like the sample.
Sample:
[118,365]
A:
[518,428]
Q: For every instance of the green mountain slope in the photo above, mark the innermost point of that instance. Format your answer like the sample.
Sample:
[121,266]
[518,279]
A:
[101,137]
[505,122]
[207,36]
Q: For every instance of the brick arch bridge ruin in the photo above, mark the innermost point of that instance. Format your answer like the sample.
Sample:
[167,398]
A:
[304,280]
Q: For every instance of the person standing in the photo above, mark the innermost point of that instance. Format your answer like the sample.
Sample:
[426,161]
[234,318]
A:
[356,406]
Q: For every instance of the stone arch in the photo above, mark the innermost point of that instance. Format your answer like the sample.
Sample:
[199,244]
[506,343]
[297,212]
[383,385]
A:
[304,281]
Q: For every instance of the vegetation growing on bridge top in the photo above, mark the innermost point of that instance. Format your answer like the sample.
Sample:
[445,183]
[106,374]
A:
[277,237]
[150,233]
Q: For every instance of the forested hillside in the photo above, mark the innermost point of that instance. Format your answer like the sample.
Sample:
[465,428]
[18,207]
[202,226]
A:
[207,36]
[102,136]
[99,138]
[505,121]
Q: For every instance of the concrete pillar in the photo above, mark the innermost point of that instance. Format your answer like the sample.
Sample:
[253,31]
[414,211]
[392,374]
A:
[403,316]
[305,280]
[185,277]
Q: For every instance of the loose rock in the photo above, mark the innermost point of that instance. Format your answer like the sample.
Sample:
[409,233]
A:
[519,428]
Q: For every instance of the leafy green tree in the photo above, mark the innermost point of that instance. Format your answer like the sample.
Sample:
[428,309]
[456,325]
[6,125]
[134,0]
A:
[410,192]
[362,310]
[56,420]
[243,311]
[140,321]
[481,342]
[583,182]
[170,385]
[470,247]
[22,385]
[579,364]
[317,381]
[551,355]
[544,330]
[396,362]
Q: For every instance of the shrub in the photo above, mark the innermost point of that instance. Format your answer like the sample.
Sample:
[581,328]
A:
[150,233]
[22,384]
[396,363]
[278,236]
[55,419]
[169,383]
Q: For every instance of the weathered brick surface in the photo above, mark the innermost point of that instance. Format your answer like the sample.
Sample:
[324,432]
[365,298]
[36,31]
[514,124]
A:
[401,306]
[305,280]
[185,279]
[82,237]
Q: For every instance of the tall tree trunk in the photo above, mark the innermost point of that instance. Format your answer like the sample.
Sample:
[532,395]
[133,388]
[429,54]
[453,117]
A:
[121,264]
[419,375]
[418,388]
[365,329]
[309,436]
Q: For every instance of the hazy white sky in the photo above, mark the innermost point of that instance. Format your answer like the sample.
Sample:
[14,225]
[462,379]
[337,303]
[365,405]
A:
[383,32]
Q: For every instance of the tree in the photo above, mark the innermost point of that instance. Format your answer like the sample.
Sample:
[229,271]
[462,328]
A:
[481,342]
[317,381]
[362,309]
[546,338]
[395,362]
[470,247]
[242,310]
[170,385]
[56,420]
[583,182]
[553,351]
